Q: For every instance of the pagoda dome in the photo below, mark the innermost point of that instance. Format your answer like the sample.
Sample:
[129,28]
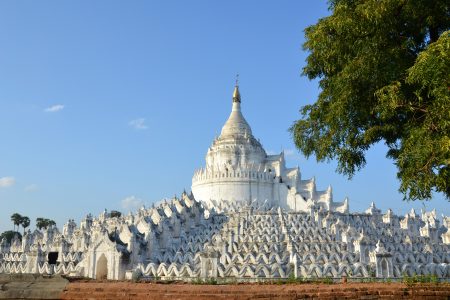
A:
[236,125]
[236,145]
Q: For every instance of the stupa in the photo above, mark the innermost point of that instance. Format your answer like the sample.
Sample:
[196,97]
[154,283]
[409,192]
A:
[239,172]
[248,217]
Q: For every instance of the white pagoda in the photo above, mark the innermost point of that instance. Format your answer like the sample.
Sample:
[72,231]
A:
[239,172]
[248,218]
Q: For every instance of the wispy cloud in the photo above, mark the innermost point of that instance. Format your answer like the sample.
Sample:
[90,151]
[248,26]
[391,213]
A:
[7,182]
[132,203]
[54,108]
[31,188]
[138,124]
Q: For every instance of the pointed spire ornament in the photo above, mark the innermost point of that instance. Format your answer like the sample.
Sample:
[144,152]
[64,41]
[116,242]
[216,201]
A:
[236,95]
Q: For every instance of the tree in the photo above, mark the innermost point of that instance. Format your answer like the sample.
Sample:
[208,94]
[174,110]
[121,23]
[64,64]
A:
[16,219]
[384,70]
[40,223]
[115,214]
[44,223]
[9,235]
[25,222]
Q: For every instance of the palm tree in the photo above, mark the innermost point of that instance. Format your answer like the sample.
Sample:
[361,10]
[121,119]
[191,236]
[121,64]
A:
[44,223]
[25,221]
[16,219]
[41,223]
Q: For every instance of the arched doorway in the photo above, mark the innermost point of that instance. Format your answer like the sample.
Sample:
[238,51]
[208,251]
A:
[208,268]
[102,268]
[366,255]
[384,268]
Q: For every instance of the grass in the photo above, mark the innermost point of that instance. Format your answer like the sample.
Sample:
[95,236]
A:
[408,280]
[411,280]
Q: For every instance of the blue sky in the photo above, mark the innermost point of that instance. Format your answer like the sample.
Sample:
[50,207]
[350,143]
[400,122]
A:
[109,104]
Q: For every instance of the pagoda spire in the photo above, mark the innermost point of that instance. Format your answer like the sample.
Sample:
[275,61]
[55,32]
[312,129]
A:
[236,94]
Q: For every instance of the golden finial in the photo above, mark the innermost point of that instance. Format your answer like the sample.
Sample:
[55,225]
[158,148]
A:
[236,94]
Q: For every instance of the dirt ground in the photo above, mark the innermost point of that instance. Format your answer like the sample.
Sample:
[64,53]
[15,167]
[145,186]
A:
[128,290]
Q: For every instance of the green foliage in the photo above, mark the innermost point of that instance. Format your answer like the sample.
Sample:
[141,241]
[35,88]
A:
[410,280]
[16,219]
[40,223]
[115,214]
[291,278]
[371,271]
[327,280]
[9,235]
[44,223]
[384,70]
[197,280]
[25,222]
[135,276]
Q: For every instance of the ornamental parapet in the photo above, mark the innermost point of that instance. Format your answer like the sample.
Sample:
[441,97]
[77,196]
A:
[207,176]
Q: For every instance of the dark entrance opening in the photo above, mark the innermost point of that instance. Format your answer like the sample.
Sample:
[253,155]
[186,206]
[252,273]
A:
[52,258]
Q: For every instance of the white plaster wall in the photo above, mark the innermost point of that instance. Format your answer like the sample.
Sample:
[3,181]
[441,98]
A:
[234,190]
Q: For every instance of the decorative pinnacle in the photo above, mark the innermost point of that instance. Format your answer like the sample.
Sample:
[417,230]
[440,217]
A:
[236,94]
